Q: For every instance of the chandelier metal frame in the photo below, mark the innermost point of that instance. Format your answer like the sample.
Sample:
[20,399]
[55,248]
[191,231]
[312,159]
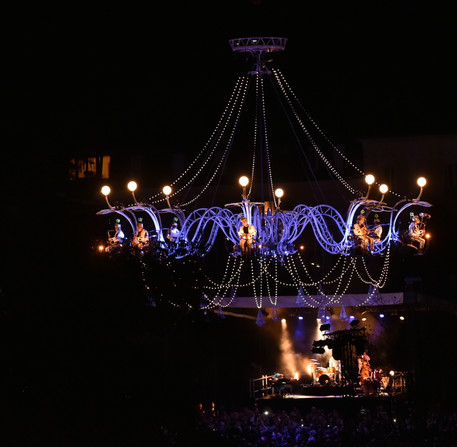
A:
[278,230]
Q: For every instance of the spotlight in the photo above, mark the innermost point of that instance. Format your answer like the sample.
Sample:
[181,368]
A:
[381,315]
[354,323]
[324,327]
[300,317]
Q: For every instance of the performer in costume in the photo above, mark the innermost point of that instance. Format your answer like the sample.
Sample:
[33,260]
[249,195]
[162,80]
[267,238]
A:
[416,232]
[365,371]
[173,231]
[362,233]
[247,234]
[375,232]
[115,241]
[141,236]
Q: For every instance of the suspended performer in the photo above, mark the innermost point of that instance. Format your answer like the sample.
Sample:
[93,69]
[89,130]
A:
[141,236]
[362,234]
[247,235]
[117,239]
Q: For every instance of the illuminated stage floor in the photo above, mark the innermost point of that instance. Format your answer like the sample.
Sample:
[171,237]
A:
[329,400]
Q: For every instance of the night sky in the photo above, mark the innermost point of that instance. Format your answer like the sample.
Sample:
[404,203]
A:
[84,79]
[82,76]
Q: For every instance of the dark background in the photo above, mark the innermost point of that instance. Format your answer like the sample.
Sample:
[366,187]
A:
[79,79]
[88,75]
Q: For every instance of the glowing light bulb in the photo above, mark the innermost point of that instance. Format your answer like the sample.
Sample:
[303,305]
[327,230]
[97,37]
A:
[244,181]
[383,188]
[279,193]
[132,186]
[369,179]
[421,183]
[106,190]
[167,190]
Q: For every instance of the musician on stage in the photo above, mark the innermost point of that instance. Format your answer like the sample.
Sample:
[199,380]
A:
[369,383]
[365,370]
[277,381]
[334,367]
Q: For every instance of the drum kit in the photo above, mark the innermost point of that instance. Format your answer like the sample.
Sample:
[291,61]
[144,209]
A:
[372,382]
[326,376]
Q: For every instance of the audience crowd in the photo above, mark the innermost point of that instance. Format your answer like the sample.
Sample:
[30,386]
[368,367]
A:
[403,426]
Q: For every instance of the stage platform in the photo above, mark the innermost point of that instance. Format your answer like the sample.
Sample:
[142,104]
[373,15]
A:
[325,394]
[329,400]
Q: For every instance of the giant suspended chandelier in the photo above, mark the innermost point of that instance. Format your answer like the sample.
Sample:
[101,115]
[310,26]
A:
[262,255]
